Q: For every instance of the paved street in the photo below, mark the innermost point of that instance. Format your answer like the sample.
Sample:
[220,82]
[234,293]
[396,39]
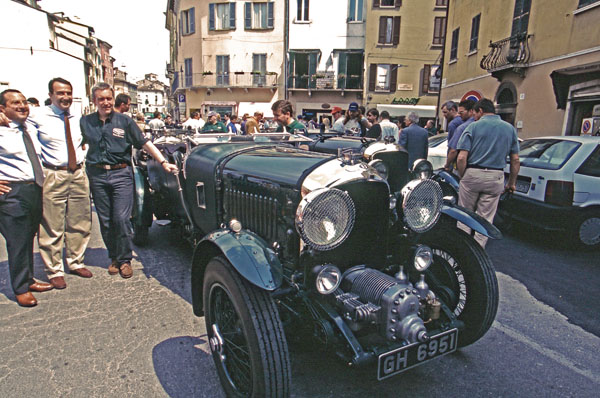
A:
[110,337]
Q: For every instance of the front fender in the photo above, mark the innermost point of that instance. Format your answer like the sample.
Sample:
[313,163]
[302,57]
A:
[248,254]
[141,198]
[471,220]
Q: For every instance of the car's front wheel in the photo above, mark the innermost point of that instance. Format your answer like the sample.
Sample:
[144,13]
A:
[586,230]
[245,334]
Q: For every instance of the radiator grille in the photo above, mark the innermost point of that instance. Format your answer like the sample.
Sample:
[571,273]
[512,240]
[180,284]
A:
[257,213]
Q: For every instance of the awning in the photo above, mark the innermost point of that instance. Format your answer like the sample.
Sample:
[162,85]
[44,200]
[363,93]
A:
[251,107]
[428,111]
[563,79]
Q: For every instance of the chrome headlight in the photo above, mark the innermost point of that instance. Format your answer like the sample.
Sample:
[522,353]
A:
[380,167]
[324,218]
[422,169]
[423,258]
[328,278]
[422,204]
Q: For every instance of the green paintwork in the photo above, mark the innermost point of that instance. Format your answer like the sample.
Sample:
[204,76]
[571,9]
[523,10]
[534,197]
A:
[139,181]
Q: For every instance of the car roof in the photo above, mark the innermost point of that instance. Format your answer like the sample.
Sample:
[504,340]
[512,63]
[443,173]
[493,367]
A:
[576,138]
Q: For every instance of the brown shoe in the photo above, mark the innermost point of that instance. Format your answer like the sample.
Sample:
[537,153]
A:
[82,272]
[126,271]
[113,268]
[26,300]
[58,282]
[40,287]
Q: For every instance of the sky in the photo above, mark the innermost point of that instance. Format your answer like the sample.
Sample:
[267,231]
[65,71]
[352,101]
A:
[134,28]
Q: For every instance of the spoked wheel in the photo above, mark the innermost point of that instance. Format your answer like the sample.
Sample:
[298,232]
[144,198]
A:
[462,276]
[245,334]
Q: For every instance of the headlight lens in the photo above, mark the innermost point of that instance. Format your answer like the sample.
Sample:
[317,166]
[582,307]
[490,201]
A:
[328,279]
[422,169]
[422,204]
[380,167]
[325,218]
[423,258]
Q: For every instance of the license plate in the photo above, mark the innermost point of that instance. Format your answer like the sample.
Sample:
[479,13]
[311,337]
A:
[522,186]
[397,361]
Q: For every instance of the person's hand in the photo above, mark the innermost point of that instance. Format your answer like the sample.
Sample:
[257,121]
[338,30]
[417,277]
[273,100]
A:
[170,168]
[4,121]
[4,188]
[510,188]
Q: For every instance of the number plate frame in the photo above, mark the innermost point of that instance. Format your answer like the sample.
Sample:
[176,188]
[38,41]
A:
[409,355]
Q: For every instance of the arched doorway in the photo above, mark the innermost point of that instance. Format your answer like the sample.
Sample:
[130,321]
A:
[506,102]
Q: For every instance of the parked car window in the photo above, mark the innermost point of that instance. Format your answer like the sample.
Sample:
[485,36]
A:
[437,140]
[591,167]
[547,154]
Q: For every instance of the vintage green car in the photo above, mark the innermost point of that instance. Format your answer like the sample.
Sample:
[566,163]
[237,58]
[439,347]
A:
[322,247]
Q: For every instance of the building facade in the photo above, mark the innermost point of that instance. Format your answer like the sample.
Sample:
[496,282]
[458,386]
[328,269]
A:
[151,94]
[226,56]
[106,62]
[404,41]
[122,85]
[538,60]
[325,54]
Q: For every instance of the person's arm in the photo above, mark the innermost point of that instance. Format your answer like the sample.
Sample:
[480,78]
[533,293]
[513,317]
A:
[156,155]
[450,159]
[461,162]
[515,166]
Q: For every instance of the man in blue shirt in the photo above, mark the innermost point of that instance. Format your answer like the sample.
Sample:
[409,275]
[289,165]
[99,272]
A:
[110,136]
[21,180]
[466,112]
[450,112]
[484,146]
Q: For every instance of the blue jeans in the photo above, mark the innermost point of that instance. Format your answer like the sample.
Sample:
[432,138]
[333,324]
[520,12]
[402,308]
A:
[112,191]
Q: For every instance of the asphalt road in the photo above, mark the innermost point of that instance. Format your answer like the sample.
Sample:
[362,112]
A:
[110,337]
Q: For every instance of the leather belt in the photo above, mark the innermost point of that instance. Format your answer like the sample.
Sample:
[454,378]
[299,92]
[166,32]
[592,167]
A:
[21,182]
[110,166]
[474,166]
[60,168]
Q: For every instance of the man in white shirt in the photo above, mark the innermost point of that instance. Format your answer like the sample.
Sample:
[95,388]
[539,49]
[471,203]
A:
[388,129]
[195,122]
[156,123]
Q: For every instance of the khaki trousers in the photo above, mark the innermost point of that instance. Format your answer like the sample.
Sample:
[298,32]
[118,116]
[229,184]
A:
[66,220]
[480,192]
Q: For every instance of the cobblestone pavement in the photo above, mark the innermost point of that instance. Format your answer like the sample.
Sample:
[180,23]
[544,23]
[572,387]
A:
[110,337]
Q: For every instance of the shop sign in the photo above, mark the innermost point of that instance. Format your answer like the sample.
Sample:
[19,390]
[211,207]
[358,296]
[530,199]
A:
[406,101]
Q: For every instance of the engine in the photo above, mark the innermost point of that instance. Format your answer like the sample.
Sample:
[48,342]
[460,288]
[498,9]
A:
[393,304]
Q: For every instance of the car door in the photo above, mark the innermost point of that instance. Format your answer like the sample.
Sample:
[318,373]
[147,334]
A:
[587,179]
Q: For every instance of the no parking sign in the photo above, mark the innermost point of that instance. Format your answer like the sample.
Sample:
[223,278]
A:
[586,126]
[472,95]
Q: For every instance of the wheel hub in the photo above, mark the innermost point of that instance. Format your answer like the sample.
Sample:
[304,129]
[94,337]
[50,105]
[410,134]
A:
[216,342]
[589,231]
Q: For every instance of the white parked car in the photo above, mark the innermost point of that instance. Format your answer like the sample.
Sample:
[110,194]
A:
[558,187]
[438,150]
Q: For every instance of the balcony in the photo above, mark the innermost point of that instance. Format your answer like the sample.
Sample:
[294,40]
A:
[326,82]
[231,80]
[508,55]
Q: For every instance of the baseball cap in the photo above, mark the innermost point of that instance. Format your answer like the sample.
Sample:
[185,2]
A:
[212,113]
[336,109]
[353,107]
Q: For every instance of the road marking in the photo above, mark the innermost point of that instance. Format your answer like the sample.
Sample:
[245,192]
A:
[561,359]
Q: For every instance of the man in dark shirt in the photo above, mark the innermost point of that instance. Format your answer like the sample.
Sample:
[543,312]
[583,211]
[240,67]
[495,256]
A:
[282,113]
[414,139]
[375,129]
[110,136]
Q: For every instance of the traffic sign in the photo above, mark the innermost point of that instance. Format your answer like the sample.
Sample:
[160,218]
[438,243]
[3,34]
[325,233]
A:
[472,95]
[181,98]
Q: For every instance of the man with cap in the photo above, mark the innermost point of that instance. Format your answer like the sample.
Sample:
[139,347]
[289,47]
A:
[21,180]
[282,113]
[213,124]
[352,121]
[338,121]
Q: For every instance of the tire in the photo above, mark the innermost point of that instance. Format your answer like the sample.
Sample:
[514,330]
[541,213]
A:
[253,359]
[462,276]
[140,235]
[586,231]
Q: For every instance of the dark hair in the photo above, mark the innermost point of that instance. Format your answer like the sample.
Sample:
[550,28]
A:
[101,87]
[10,90]
[156,114]
[385,115]
[374,112]
[48,101]
[486,105]
[362,109]
[284,106]
[467,104]
[450,105]
[58,80]
[33,100]
[121,99]
[195,113]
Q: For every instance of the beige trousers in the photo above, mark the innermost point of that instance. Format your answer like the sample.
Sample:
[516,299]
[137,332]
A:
[66,220]
[480,191]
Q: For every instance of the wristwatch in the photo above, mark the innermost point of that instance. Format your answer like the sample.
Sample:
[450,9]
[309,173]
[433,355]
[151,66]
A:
[163,162]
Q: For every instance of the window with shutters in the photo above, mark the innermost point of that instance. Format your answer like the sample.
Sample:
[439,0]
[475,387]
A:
[187,63]
[187,21]
[258,15]
[441,3]
[454,45]
[350,69]
[387,3]
[520,18]
[383,77]
[303,67]
[259,69]
[474,33]
[389,30]
[222,70]
[221,16]
[302,11]
[439,31]
[431,79]
[355,12]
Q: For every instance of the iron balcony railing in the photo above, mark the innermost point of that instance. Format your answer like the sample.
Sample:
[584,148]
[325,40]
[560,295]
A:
[231,80]
[508,53]
[326,82]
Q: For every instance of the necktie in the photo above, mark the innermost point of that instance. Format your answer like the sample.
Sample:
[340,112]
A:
[38,174]
[71,158]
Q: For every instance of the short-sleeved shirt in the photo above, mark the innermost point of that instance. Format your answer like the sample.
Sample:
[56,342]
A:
[458,133]
[110,141]
[453,125]
[489,141]
[294,127]
[389,129]
[218,126]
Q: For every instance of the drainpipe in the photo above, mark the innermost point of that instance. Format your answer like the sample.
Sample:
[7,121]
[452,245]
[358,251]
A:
[437,110]
[286,46]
